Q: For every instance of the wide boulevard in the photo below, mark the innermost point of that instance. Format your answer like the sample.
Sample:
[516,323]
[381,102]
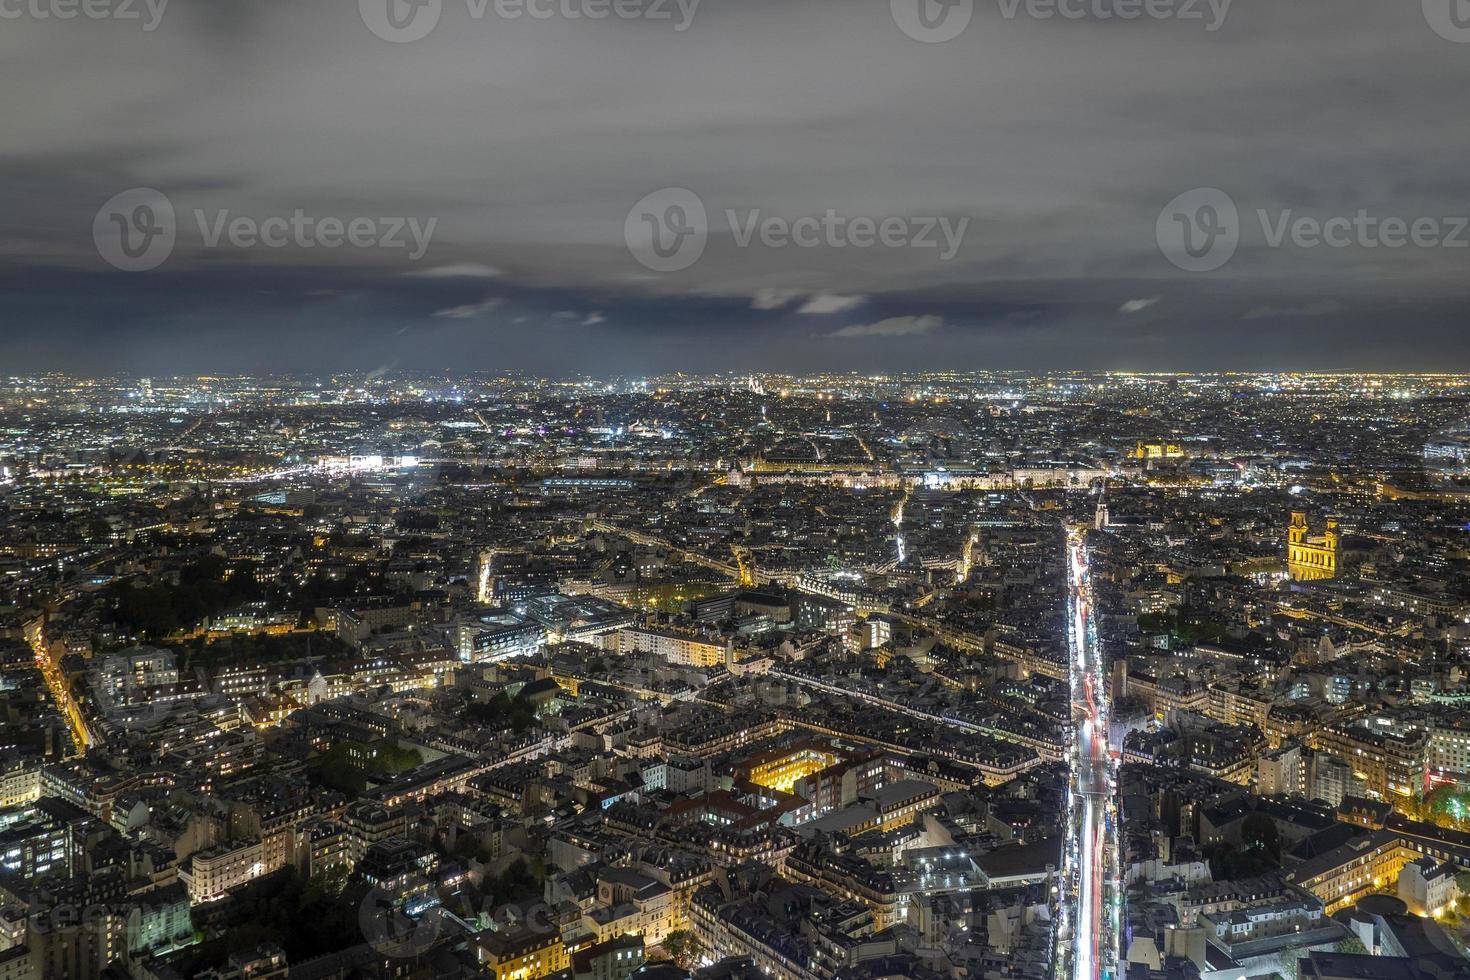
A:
[1091,903]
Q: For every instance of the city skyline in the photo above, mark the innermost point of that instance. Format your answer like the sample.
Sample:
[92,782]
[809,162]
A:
[735,677]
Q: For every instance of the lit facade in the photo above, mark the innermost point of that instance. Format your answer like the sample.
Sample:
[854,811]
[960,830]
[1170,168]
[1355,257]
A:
[1311,558]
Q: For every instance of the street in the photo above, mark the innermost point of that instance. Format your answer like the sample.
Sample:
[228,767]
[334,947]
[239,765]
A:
[1091,903]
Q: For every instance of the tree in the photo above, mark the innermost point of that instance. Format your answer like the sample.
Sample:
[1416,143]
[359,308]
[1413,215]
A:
[1259,832]
[1229,863]
[683,946]
[206,588]
[305,917]
[331,880]
[519,882]
[502,712]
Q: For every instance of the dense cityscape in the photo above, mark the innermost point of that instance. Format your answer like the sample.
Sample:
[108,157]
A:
[722,677]
[734,490]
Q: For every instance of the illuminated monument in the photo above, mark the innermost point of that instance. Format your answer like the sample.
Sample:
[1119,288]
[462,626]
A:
[1158,450]
[1309,557]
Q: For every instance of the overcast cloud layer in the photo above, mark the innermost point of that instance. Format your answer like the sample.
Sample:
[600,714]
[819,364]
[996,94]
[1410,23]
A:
[1054,143]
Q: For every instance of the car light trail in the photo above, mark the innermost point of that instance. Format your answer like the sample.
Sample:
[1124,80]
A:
[1087,949]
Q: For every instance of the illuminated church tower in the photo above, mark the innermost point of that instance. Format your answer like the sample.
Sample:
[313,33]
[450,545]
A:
[1309,557]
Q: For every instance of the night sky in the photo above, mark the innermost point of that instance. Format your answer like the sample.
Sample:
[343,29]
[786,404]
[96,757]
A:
[527,141]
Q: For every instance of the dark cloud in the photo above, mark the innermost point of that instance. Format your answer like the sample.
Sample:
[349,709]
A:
[528,141]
